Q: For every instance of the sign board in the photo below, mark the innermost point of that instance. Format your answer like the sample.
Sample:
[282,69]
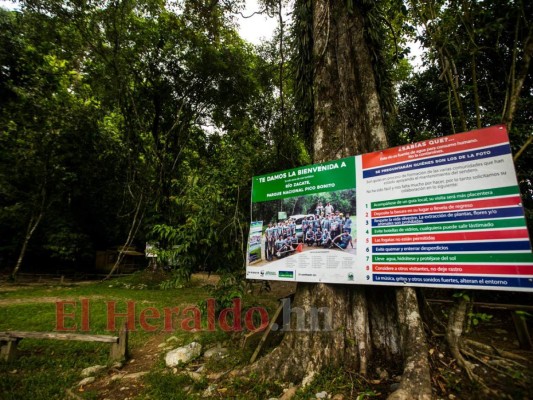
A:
[443,212]
[151,250]
[254,241]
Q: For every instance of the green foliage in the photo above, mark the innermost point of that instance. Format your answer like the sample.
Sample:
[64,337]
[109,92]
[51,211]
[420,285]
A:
[198,239]
[46,368]
[152,117]
[477,318]
[139,280]
[463,37]
[179,279]
[47,138]
[474,55]
[473,318]
[67,245]
[523,314]
[253,389]
[461,295]
[149,118]
[230,287]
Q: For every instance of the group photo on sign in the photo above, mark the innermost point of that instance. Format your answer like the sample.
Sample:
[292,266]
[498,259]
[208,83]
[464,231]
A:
[318,221]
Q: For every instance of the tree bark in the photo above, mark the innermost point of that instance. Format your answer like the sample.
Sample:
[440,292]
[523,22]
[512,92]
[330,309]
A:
[332,325]
[348,118]
[354,327]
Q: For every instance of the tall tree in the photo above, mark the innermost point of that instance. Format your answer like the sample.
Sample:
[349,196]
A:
[478,76]
[46,113]
[370,326]
[161,113]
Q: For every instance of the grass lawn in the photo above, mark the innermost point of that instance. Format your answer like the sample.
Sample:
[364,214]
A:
[50,369]
[46,369]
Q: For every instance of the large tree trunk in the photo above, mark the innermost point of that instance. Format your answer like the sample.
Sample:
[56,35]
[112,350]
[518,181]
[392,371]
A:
[358,328]
[338,326]
[347,113]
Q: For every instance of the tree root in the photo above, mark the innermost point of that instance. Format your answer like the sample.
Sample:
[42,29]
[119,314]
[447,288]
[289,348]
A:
[459,347]
[428,315]
[488,364]
[454,330]
[494,351]
[391,315]
[328,327]
[415,382]
[493,361]
[502,360]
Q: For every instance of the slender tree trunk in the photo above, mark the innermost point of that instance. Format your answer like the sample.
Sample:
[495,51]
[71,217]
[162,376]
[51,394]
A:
[476,92]
[34,222]
[518,82]
[355,327]
[135,224]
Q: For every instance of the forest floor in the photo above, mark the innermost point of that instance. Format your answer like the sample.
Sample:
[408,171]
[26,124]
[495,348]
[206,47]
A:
[51,369]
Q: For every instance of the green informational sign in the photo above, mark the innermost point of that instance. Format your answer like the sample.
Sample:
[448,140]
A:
[317,178]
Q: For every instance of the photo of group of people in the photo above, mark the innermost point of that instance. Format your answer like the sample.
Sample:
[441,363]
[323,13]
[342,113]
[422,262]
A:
[325,223]
[328,231]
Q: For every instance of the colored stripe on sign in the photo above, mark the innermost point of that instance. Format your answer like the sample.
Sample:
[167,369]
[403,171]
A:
[409,201]
[451,216]
[446,207]
[448,144]
[456,269]
[506,257]
[430,248]
[454,237]
[460,280]
[469,156]
[457,226]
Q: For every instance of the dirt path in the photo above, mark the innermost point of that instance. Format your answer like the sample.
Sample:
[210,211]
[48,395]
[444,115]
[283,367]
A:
[126,382]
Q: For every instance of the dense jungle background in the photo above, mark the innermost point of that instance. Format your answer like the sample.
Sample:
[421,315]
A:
[126,122]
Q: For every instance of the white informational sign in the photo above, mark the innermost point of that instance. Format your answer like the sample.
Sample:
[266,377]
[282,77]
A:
[444,212]
[150,250]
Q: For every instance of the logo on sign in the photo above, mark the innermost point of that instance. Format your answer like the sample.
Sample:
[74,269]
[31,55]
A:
[286,274]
